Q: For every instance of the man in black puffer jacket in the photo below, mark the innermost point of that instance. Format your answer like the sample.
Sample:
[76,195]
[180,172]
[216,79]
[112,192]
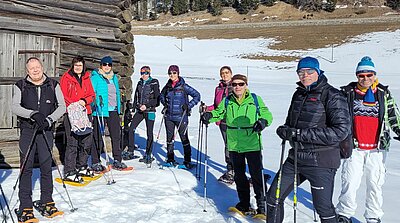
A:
[315,126]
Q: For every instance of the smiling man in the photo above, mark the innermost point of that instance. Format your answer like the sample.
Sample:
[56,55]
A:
[314,136]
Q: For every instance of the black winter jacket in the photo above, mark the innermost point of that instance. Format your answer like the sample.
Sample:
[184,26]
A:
[322,125]
[147,93]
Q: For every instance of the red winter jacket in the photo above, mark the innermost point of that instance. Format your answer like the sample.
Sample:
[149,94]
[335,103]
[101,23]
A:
[74,91]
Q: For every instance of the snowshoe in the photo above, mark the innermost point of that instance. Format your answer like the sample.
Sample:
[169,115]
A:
[47,210]
[260,214]
[128,155]
[146,159]
[118,165]
[373,220]
[227,177]
[73,176]
[25,215]
[186,166]
[85,172]
[344,219]
[170,164]
[99,169]
[242,211]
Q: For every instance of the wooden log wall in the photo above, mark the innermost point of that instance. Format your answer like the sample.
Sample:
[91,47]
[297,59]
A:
[89,28]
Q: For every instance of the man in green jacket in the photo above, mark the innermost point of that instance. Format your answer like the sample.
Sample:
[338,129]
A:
[246,116]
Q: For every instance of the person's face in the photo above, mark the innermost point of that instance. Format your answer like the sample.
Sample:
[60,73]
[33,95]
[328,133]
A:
[226,75]
[239,87]
[307,76]
[173,75]
[78,67]
[366,79]
[106,67]
[145,76]
[34,70]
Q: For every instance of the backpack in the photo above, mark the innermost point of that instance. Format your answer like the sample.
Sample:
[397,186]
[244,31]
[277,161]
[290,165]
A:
[80,123]
[346,146]
[255,103]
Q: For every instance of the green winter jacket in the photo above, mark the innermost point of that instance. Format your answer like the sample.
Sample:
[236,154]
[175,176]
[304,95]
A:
[240,118]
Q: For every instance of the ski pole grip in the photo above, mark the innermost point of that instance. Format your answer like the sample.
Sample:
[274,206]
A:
[101,101]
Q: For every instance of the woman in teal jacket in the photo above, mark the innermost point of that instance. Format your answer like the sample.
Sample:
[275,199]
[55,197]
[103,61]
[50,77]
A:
[107,107]
[246,116]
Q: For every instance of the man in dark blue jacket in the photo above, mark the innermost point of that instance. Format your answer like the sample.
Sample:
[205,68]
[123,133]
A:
[174,97]
[314,127]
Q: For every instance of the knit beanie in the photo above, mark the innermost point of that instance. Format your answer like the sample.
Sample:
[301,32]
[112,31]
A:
[106,59]
[365,65]
[239,77]
[173,68]
[309,62]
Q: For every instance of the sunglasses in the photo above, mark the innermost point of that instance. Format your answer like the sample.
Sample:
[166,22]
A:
[106,64]
[145,73]
[241,84]
[173,72]
[365,75]
[302,72]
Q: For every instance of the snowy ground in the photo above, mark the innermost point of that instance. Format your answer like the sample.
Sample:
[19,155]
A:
[172,195]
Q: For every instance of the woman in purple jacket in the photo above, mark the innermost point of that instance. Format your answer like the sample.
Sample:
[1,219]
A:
[223,89]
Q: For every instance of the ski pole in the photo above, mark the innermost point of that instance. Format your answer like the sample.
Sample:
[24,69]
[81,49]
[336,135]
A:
[295,185]
[158,136]
[205,170]
[315,215]
[8,207]
[278,187]
[103,136]
[180,123]
[25,160]
[73,209]
[199,148]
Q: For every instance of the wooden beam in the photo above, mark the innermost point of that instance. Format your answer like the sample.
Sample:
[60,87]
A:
[74,49]
[98,43]
[126,27]
[77,5]
[16,6]
[125,16]
[42,27]
[106,2]
[128,49]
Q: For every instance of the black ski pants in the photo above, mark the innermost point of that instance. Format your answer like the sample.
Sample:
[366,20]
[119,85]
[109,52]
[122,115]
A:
[183,134]
[114,127]
[254,162]
[321,181]
[77,149]
[40,147]
[136,120]
[222,129]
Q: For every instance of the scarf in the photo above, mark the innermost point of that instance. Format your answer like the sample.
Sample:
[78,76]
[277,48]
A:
[108,75]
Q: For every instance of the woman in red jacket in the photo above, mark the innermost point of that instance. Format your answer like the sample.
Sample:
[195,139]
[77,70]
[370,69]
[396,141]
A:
[77,87]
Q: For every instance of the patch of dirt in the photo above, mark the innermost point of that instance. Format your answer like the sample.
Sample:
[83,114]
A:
[291,28]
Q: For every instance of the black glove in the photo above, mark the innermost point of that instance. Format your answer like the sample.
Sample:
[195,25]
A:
[259,125]
[397,138]
[286,133]
[205,118]
[39,118]
[164,110]
[45,125]
[185,107]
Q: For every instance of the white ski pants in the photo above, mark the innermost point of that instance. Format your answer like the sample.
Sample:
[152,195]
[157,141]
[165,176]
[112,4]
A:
[372,163]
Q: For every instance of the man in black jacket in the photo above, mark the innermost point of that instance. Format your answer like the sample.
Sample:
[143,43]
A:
[38,102]
[314,127]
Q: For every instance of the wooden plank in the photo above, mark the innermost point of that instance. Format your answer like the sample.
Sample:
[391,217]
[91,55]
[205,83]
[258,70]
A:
[45,27]
[16,6]
[6,70]
[76,5]
[97,43]
[74,49]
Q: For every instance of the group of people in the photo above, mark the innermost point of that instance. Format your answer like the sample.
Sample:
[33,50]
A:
[321,121]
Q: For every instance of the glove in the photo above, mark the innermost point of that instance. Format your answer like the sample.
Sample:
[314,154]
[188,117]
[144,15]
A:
[45,125]
[397,138]
[185,107]
[39,118]
[286,133]
[205,118]
[259,125]
[164,110]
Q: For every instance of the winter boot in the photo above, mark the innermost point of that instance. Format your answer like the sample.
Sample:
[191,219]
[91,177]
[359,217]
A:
[48,210]
[344,219]
[118,165]
[245,209]
[25,215]
[170,163]
[227,177]
[187,165]
[147,159]
[373,220]
[84,171]
[73,176]
[98,168]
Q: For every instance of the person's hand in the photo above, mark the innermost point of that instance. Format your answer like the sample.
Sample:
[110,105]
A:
[259,125]
[164,110]
[82,102]
[45,125]
[143,108]
[285,132]
[205,118]
[38,117]
[397,138]
[185,107]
